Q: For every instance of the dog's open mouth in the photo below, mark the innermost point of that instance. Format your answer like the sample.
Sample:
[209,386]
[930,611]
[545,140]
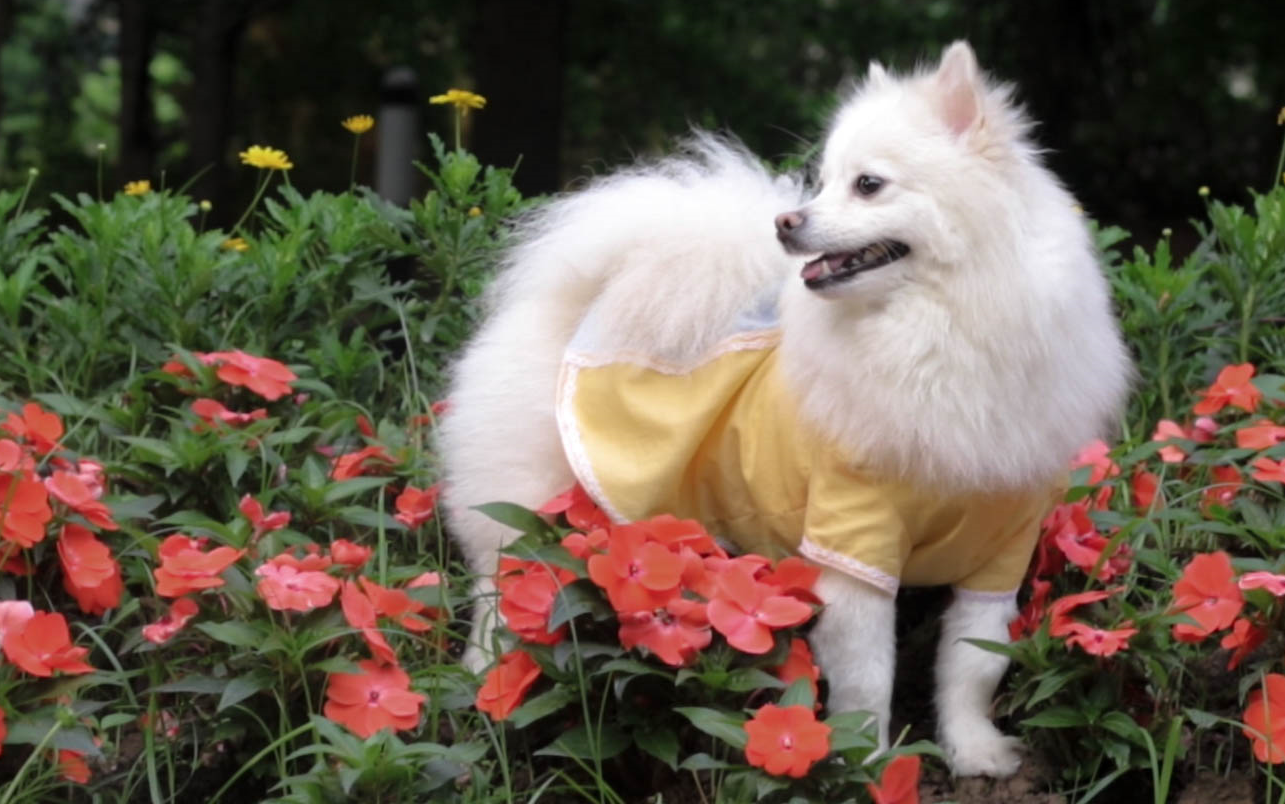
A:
[831,269]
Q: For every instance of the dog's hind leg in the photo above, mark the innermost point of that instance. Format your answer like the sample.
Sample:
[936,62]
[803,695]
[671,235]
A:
[855,641]
[966,680]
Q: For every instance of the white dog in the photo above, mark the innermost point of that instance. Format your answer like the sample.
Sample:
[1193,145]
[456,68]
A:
[898,402]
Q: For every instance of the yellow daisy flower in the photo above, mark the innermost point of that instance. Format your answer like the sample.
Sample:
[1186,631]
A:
[359,123]
[205,205]
[461,99]
[1203,192]
[475,212]
[141,187]
[265,158]
[236,244]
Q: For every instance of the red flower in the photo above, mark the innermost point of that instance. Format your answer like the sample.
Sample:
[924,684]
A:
[1207,592]
[376,698]
[899,783]
[72,492]
[1096,455]
[42,644]
[786,740]
[583,545]
[1226,483]
[27,510]
[746,612]
[674,633]
[284,588]
[212,412]
[1096,641]
[581,511]
[1080,542]
[14,458]
[264,376]
[395,604]
[364,427]
[1270,581]
[13,616]
[185,568]
[89,572]
[1260,435]
[350,555]
[355,464]
[1166,430]
[527,592]
[506,685]
[312,561]
[38,427]
[1063,606]
[1264,719]
[252,510]
[72,766]
[1032,614]
[793,576]
[1145,486]
[164,629]
[800,664]
[1245,636]
[360,613]
[1233,387]
[1269,471]
[89,472]
[637,574]
[416,506]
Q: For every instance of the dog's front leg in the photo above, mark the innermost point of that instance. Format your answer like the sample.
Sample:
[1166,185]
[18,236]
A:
[966,680]
[855,643]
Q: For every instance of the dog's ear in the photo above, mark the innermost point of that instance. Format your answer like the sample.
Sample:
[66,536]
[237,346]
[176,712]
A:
[959,89]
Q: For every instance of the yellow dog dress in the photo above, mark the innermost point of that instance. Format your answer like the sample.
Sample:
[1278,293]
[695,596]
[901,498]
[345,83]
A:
[719,440]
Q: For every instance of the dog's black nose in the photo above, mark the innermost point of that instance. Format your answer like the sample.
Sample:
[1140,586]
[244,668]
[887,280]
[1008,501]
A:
[788,222]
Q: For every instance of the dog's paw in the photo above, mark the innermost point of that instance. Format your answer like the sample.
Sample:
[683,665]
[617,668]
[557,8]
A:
[983,751]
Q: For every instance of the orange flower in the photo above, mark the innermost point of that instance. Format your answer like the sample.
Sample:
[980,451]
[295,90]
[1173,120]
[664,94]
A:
[395,604]
[378,697]
[793,576]
[360,613]
[42,644]
[354,464]
[416,506]
[1080,542]
[1264,719]
[313,560]
[211,411]
[1227,481]
[14,458]
[284,588]
[89,572]
[1032,614]
[1269,471]
[1145,486]
[800,664]
[1167,429]
[580,509]
[1063,606]
[350,555]
[506,685]
[637,574]
[583,545]
[746,611]
[252,510]
[27,511]
[38,427]
[13,616]
[72,492]
[89,472]
[72,766]
[1233,387]
[1207,592]
[1260,435]
[786,740]
[1096,641]
[1096,455]
[1270,581]
[527,592]
[1245,636]
[164,629]
[185,568]
[674,633]
[261,375]
[899,782]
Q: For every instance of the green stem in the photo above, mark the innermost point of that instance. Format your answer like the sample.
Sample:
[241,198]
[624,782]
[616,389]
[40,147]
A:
[26,191]
[100,175]
[263,185]
[458,116]
[12,787]
[352,173]
[254,760]
[1279,176]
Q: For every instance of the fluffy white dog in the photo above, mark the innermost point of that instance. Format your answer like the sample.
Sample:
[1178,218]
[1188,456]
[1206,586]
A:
[893,378]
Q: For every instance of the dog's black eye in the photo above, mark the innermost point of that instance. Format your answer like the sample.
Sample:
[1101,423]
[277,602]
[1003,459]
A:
[867,185]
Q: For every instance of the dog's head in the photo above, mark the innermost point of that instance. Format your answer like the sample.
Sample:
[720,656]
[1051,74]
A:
[909,166]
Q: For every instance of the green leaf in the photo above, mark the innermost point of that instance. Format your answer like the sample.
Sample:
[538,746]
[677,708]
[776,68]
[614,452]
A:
[237,461]
[242,687]
[1059,717]
[233,632]
[580,743]
[661,743]
[728,727]
[542,705]
[799,694]
[577,598]
[515,516]
[369,518]
[746,679]
[700,762]
[201,685]
[352,487]
[131,508]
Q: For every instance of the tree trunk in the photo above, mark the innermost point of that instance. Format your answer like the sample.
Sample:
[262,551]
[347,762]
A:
[518,65]
[137,126]
[216,33]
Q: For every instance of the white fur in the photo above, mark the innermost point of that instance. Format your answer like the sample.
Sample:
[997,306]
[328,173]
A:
[982,360]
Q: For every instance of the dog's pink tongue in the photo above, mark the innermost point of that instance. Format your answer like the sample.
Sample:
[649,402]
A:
[815,269]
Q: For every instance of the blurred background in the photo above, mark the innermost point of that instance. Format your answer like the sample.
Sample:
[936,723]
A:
[1139,101]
